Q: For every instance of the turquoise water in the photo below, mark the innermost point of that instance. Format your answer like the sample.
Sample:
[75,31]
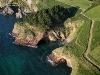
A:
[20,60]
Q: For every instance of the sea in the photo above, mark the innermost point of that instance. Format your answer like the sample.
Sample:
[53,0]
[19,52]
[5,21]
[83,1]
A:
[23,60]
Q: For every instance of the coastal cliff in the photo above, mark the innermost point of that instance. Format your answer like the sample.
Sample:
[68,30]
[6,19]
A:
[7,11]
[46,24]
[31,35]
[60,55]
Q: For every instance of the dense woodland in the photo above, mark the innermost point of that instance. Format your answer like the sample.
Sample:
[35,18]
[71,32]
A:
[47,18]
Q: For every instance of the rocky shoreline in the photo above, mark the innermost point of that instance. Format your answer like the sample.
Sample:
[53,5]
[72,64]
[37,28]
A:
[19,13]
[34,38]
[59,56]
[54,58]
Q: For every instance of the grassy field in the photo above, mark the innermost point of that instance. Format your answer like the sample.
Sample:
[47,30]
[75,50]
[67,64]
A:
[94,13]
[96,35]
[82,37]
[95,55]
[84,4]
[95,44]
[78,46]
[84,33]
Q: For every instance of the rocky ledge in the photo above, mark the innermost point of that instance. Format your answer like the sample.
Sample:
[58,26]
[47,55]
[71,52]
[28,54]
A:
[58,55]
[31,35]
[61,55]
[7,11]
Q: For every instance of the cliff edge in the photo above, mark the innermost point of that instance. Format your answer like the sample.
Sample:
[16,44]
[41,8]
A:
[61,55]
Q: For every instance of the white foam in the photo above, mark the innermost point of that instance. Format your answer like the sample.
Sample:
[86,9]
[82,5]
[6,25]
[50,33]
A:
[50,61]
[32,46]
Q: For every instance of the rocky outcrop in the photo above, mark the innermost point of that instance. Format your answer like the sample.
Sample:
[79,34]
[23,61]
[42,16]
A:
[5,2]
[61,55]
[25,36]
[56,35]
[29,40]
[19,14]
[7,11]
[31,35]
[58,55]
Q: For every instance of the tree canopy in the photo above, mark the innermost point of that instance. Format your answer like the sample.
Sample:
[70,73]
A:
[47,18]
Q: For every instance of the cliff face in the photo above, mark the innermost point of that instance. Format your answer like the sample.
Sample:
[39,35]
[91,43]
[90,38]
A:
[27,35]
[31,35]
[7,11]
[60,55]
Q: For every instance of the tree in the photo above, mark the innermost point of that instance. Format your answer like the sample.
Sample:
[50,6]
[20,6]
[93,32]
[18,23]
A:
[46,18]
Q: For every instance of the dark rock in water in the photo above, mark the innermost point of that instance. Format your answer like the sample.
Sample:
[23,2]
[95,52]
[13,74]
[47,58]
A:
[7,11]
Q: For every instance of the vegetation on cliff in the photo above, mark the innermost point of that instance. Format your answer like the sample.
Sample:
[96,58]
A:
[47,18]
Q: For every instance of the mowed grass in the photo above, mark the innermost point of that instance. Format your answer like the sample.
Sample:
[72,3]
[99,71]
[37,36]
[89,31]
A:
[84,4]
[94,13]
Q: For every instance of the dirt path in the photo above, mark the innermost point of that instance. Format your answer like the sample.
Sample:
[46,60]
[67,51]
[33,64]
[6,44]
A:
[88,48]
[89,43]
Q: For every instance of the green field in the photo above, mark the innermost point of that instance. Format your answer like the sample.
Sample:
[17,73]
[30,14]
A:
[95,44]
[94,13]
[95,35]
[78,46]
[95,55]
[84,4]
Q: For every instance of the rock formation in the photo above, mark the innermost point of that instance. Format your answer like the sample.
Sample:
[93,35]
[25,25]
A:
[19,14]
[26,34]
[31,35]
[58,55]
[61,55]
[7,11]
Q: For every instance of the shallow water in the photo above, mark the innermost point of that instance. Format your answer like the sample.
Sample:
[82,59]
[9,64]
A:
[21,60]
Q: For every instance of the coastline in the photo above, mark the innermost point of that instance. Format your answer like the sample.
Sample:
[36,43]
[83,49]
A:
[59,56]
[25,45]
[21,44]
[69,64]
